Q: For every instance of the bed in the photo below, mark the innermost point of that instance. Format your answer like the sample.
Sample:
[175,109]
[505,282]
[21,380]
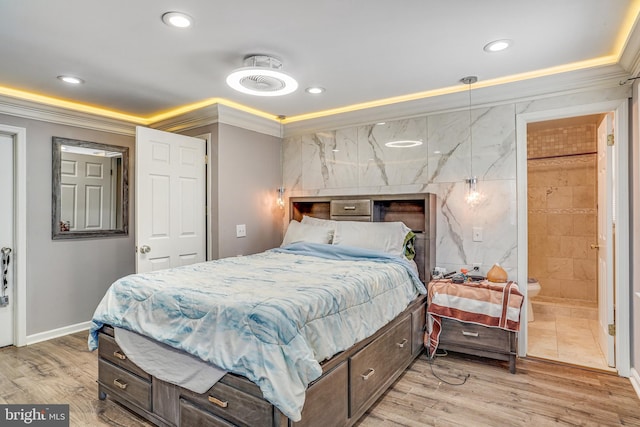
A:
[311,333]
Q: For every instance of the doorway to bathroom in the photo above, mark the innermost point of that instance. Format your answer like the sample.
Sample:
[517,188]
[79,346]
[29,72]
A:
[614,211]
[567,239]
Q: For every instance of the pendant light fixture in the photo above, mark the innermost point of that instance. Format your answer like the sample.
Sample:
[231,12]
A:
[473,196]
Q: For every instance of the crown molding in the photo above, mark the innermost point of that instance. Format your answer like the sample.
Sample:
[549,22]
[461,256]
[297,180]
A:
[542,87]
[220,113]
[234,117]
[630,58]
[525,90]
[193,119]
[58,115]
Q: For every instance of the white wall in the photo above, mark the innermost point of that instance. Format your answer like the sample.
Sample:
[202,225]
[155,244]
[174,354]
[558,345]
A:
[65,278]
[247,169]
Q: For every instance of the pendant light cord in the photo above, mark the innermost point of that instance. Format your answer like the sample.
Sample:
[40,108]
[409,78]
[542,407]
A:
[469,80]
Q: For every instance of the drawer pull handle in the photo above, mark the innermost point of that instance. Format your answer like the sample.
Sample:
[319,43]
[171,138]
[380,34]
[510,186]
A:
[119,355]
[220,403]
[370,372]
[120,384]
[349,208]
[401,344]
[469,334]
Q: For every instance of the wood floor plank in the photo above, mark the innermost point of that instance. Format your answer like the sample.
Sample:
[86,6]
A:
[62,370]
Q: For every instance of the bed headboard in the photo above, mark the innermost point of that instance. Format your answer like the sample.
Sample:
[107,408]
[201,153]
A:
[417,211]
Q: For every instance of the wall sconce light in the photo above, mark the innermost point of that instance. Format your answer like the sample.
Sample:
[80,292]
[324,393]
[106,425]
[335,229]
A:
[473,196]
[280,197]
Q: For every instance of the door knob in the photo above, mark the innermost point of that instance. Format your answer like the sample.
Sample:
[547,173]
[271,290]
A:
[145,249]
[594,246]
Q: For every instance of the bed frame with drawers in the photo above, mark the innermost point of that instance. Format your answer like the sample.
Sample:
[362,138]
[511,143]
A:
[351,381]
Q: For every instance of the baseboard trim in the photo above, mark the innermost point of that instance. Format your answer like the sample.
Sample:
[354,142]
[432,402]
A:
[635,380]
[59,332]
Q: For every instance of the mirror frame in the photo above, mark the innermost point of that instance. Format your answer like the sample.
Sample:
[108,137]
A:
[56,234]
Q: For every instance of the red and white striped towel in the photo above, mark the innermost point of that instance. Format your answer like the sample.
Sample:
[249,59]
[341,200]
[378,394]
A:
[496,305]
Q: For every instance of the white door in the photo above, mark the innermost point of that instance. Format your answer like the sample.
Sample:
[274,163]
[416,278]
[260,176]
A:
[170,200]
[6,237]
[604,246]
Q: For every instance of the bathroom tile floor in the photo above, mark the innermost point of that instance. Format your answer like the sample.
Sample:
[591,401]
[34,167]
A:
[566,333]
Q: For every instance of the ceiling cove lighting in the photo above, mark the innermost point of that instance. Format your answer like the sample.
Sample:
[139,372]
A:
[177,19]
[262,76]
[71,80]
[403,144]
[497,45]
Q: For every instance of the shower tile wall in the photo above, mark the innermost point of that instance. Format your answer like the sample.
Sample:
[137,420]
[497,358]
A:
[355,160]
[562,190]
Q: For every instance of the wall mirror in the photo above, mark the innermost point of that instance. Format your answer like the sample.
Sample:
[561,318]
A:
[90,193]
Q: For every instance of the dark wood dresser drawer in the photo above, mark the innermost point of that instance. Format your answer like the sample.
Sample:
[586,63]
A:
[125,384]
[233,405]
[109,350]
[376,363]
[191,415]
[351,208]
[327,399]
[476,336]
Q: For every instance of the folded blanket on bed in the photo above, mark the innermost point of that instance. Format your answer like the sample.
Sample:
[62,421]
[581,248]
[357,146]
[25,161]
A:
[495,305]
[271,317]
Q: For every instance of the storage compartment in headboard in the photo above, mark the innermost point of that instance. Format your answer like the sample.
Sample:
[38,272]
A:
[417,211]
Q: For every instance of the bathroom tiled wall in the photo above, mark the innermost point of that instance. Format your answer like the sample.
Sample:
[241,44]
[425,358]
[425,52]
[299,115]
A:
[562,195]
[354,160]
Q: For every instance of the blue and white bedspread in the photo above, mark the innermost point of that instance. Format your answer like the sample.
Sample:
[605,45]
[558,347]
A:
[271,317]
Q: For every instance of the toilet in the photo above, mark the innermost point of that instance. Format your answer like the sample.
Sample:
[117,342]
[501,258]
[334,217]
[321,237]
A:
[533,289]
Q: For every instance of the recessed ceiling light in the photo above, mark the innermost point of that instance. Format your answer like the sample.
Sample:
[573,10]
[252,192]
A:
[262,76]
[381,123]
[497,45]
[177,19]
[403,144]
[315,90]
[71,80]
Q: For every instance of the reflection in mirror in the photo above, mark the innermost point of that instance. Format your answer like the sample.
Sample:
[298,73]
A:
[90,189]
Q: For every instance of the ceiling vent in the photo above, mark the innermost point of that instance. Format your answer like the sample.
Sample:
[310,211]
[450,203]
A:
[262,75]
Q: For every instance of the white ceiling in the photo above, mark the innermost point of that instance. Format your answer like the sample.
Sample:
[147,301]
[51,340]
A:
[359,50]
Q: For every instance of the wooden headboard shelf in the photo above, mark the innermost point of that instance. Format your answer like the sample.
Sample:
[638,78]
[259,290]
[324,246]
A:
[417,211]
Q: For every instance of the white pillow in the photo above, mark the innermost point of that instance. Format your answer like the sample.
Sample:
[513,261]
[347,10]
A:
[387,237]
[298,232]
[317,221]
[310,220]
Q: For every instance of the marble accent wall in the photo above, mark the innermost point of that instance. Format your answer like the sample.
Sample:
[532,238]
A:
[356,161]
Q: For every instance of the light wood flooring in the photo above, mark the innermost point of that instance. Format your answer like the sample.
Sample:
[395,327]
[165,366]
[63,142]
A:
[539,394]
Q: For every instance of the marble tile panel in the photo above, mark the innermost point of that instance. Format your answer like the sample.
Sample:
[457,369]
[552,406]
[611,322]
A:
[449,150]
[292,164]
[383,165]
[493,142]
[330,159]
[496,215]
